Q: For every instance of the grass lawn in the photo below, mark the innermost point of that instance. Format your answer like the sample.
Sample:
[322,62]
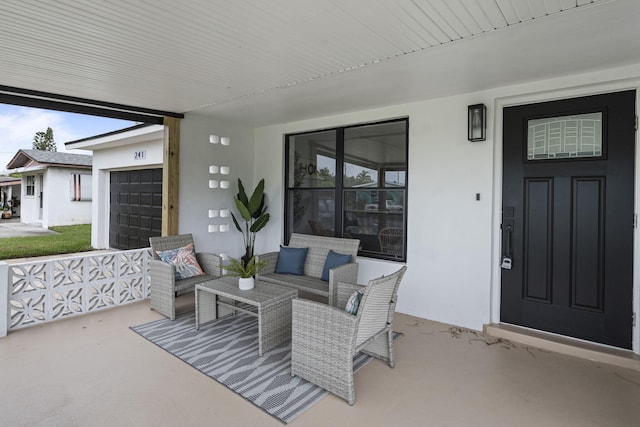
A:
[71,238]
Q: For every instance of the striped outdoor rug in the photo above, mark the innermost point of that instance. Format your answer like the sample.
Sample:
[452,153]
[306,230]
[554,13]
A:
[227,351]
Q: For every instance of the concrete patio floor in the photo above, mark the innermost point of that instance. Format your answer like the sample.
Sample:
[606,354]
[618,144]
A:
[94,371]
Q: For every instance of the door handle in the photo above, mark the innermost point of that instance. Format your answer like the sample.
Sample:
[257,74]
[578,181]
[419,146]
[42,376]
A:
[507,232]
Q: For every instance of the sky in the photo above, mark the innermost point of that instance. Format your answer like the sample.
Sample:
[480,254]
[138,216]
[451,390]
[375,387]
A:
[18,125]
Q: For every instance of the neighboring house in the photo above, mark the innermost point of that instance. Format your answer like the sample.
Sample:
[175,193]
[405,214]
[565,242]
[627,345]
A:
[56,187]
[127,184]
[10,188]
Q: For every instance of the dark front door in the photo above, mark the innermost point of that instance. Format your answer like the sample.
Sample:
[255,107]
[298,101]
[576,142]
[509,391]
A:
[568,218]
[135,208]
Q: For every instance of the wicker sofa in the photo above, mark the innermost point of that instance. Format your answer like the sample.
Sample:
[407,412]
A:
[310,281]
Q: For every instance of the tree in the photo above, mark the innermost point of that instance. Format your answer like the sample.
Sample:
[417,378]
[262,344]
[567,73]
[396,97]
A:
[363,177]
[44,141]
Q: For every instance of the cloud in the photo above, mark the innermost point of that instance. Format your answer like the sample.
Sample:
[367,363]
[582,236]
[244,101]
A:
[18,125]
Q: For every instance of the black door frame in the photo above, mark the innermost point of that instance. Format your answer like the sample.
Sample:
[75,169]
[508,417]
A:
[523,99]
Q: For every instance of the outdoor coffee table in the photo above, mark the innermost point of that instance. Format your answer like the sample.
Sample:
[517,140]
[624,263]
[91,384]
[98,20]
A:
[271,304]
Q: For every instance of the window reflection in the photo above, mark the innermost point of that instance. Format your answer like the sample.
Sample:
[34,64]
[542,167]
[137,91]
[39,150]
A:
[373,216]
[314,160]
[369,193]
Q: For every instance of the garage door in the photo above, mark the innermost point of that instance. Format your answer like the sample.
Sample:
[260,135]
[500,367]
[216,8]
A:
[135,208]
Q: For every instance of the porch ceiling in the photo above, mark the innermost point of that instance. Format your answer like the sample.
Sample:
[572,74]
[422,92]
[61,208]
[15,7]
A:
[266,62]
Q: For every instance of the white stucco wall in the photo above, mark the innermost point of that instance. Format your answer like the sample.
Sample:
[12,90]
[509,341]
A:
[59,209]
[453,242]
[196,198]
[449,232]
[57,206]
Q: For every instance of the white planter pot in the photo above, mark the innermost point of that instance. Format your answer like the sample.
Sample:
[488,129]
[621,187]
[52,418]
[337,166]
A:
[245,283]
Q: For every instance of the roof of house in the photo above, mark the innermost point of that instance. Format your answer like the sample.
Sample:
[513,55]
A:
[9,180]
[132,135]
[27,158]
[113,133]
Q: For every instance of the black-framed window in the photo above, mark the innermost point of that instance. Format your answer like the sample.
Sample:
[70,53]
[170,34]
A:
[350,182]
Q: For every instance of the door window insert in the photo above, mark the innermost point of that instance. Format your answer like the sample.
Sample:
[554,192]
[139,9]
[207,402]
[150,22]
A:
[565,137]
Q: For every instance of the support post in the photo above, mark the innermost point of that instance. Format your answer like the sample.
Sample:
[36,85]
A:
[4,298]
[170,176]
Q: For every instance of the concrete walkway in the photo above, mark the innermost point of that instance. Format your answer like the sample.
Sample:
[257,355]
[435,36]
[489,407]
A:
[14,228]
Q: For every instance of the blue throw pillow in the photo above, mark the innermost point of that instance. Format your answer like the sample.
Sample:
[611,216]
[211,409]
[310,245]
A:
[291,260]
[334,259]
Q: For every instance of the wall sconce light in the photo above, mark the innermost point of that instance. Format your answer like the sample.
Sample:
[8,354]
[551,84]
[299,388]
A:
[213,183]
[224,184]
[214,169]
[477,122]
[214,139]
[224,213]
[225,140]
[213,213]
[224,228]
[212,228]
[224,170]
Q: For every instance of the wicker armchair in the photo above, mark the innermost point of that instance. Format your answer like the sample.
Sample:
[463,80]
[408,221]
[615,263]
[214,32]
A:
[325,339]
[164,287]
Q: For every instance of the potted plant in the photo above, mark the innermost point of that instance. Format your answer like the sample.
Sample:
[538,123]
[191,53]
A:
[254,213]
[15,204]
[244,271]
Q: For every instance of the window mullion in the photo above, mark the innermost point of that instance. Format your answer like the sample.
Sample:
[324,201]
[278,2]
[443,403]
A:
[339,191]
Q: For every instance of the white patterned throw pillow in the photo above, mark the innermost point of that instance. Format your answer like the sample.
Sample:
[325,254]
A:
[354,302]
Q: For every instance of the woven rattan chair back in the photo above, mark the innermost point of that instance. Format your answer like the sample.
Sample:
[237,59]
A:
[319,247]
[378,305]
[165,243]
